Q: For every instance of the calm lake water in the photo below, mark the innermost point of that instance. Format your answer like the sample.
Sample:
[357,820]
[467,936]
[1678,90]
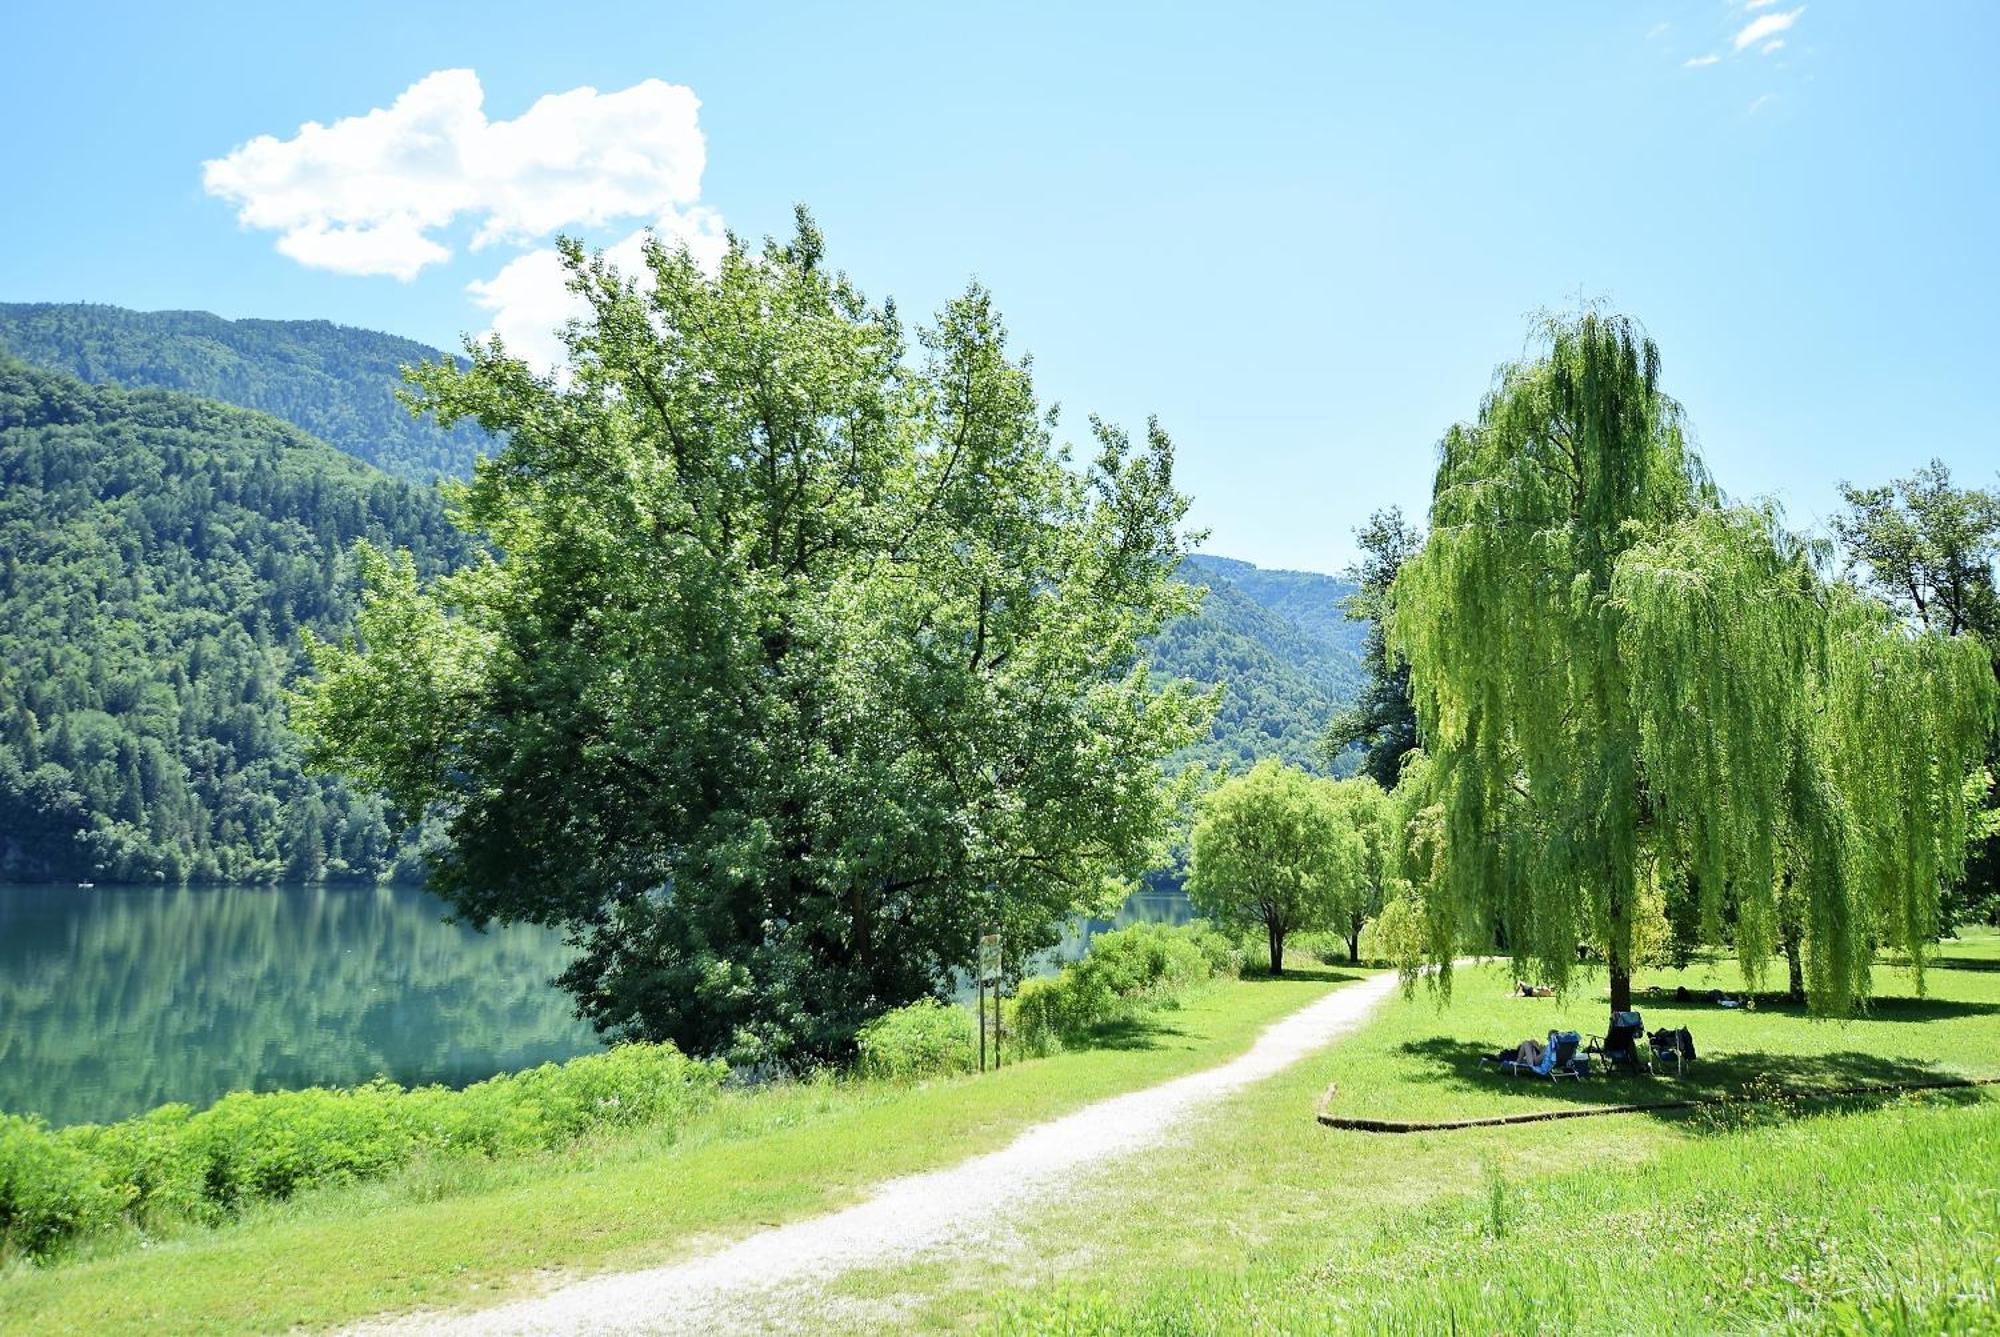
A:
[117,999]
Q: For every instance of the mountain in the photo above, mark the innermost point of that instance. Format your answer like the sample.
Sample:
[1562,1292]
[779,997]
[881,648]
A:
[335,382]
[159,554]
[1313,603]
[1285,664]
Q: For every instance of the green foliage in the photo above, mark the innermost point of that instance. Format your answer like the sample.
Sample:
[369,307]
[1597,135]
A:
[162,555]
[1928,549]
[1380,721]
[1621,681]
[802,660]
[1126,971]
[1278,671]
[337,383]
[1280,850]
[173,1164]
[927,1038]
[1316,605]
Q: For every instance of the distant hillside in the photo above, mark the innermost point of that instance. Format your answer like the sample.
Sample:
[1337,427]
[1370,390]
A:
[334,381]
[1308,600]
[159,555]
[1256,634]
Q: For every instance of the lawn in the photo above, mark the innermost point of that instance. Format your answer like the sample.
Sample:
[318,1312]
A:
[459,1232]
[1860,1215]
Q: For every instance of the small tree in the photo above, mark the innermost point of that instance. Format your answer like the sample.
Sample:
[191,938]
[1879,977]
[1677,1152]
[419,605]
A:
[1273,848]
[1366,809]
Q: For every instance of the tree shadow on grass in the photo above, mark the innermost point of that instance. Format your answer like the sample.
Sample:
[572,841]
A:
[1944,963]
[1899,1007]
[1151,1031]
[1314,974]
[1769,1078]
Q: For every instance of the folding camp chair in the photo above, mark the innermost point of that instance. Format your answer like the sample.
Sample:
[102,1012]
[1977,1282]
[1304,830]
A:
[1623,1046]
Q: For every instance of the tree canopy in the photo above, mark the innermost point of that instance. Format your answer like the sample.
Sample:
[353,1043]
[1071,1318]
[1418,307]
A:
[1928,548]
[1277,849]
[1380,721]
[1625,683]
[803,658]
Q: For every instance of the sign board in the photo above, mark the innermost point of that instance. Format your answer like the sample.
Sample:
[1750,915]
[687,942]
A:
[989,958]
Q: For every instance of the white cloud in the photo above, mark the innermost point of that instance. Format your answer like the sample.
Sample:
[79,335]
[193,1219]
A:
[1758,4]
[1759,103]
[1696,62]
[367,194]
[1658,30]
[1767,25]
[530,303]
[1769,47]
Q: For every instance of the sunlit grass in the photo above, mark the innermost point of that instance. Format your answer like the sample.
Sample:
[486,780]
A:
[1837,1216]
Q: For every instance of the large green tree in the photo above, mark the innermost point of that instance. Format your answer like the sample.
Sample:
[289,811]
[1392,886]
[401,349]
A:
[1625,685]
[1276,849]
[1928,548]
[803,657]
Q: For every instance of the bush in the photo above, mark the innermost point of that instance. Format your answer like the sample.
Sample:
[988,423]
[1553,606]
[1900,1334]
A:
[1322,945]
[925,1039]
[59,1184]
[1126,971]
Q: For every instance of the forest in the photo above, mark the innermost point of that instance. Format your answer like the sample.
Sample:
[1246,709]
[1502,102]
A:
[162,555]
[333,381]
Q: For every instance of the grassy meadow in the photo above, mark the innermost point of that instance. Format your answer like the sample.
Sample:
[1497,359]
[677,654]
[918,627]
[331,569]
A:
[1863,1215]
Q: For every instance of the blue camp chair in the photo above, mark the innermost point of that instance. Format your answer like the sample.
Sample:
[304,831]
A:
[1559,1059]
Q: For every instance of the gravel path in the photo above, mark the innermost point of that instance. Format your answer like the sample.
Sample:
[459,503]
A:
[958,1207]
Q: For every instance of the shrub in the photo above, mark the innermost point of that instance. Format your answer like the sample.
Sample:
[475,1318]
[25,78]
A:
[1322,945]
[59,1184]
[1125,971]
[925,1039]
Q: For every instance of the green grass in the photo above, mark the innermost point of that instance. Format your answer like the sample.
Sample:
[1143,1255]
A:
[1421,1063]
[458,1232]
[1863,1215]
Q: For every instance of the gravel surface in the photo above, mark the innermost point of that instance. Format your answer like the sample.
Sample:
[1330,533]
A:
[964,1206]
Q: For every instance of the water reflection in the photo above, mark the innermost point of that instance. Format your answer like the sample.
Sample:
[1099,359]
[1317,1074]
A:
[114,1000]
[117,999]
[1142,907]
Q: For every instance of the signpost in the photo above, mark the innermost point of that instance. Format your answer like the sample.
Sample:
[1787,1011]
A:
[989,980]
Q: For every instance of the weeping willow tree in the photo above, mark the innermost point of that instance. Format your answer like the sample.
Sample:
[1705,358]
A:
[1626,687]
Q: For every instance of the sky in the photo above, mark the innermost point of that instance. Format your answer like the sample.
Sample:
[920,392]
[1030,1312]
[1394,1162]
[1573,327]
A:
[1302,236]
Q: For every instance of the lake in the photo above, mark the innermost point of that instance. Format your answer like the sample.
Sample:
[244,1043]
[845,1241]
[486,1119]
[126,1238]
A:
[117,999]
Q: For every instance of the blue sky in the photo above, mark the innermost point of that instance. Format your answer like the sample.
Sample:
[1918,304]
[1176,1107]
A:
[1303,236]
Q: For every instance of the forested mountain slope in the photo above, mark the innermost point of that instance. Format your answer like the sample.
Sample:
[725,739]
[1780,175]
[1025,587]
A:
[336,382]
[1281,680]
[159,555]
[1312,602]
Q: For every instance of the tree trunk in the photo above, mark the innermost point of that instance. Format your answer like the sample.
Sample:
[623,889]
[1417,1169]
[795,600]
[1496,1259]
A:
[1354,940]
[1276,934]
[1618,952]
[1795,970]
